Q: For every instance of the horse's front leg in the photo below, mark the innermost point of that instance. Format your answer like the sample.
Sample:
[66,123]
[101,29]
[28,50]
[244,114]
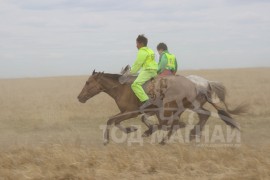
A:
[126,116]
[117,119]
[106,135]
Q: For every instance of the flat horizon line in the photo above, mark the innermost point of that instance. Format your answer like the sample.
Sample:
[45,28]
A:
[80,75]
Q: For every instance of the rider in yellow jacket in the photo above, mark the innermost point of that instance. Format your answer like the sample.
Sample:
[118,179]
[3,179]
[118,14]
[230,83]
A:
[146,64]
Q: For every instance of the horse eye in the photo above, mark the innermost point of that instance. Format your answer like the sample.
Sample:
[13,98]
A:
[87,83]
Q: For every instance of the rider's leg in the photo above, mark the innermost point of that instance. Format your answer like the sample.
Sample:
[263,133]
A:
[141,79]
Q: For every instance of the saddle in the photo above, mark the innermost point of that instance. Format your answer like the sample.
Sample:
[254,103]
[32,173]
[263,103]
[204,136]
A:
[155,87]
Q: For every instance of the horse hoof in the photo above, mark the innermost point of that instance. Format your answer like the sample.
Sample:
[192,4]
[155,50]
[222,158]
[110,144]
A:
[182,124]
[105,142]
[162,143]
[131,129]
[145,134]
[193,137]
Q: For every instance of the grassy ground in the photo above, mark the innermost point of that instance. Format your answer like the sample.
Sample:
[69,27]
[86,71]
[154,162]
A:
[47,134]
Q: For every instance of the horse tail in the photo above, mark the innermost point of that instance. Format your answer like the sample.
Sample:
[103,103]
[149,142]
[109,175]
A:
[225,116]
[218,90]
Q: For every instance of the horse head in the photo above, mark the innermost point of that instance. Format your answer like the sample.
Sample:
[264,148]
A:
[91,88]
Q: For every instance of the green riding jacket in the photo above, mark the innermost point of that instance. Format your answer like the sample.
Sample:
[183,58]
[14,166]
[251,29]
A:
[167,61]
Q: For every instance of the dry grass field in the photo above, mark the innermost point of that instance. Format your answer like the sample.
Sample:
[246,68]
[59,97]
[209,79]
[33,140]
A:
[45,133]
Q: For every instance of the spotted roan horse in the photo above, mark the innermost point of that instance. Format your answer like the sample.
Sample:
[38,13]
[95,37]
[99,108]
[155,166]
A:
[173,97]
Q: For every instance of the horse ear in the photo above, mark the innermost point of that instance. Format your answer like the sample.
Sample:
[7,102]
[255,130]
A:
[94,72]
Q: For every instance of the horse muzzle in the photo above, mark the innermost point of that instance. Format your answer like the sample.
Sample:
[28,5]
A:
[82,100]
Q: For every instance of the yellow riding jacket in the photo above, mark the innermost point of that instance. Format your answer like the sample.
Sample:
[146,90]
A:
[145,60]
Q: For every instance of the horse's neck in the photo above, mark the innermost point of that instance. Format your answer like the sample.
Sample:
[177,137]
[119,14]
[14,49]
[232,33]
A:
[111,87]
[121,93]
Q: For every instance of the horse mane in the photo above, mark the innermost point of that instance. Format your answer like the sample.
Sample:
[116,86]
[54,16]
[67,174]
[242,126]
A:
[116,77]
[109,75]
[113,76]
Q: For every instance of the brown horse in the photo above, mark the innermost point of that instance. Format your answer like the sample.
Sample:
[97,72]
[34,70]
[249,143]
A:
[173,95]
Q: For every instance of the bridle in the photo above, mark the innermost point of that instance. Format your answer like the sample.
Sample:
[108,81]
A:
[101,87]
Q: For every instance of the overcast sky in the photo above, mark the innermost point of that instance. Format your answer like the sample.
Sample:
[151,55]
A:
[74,37]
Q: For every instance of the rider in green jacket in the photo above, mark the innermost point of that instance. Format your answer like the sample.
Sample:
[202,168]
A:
[167,62]
[147,65]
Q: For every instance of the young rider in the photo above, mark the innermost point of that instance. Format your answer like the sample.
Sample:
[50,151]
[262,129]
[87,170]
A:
[147,65]
[167,62]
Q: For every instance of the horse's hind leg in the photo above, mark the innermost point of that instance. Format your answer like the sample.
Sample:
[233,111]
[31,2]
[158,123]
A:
[151,127]
[173,128]
[145,117]
[203,117]
[154,127]
[173,124]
